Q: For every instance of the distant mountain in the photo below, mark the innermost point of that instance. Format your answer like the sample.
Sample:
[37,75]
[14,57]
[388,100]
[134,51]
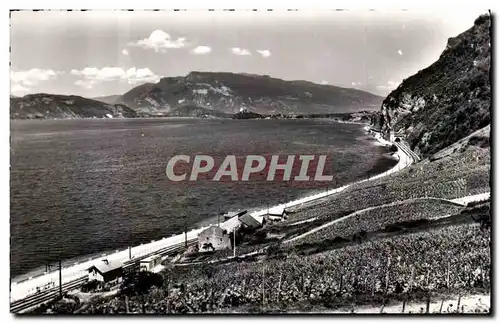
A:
[230,93]
[109,99]
[448,100]
[196,112]
[52,106]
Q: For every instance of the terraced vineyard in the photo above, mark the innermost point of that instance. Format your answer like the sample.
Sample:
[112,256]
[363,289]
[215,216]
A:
[378,218]
[448,178]
[388,269]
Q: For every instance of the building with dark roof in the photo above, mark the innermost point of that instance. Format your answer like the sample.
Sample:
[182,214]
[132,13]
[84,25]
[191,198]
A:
[276,214]
[230,215]
[106,271]
[249,221]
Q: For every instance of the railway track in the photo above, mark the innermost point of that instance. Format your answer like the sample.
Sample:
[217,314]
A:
[34,300]
[406,148]
[38,299]
[161,252]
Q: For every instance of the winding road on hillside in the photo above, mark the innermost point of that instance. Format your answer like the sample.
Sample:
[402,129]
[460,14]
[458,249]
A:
[477,197]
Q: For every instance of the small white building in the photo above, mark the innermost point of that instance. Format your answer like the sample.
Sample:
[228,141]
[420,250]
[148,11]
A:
[106,271]
[149,263]
[213,238]
[276,214]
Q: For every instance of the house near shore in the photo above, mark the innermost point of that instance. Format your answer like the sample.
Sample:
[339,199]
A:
[149,263]
[249,221]
[231,215]
[213,238]
[276,215]
[106,271]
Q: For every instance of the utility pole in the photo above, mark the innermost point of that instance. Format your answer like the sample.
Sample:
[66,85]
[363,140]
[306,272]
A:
[60,279]
[49,267]
[263,282]
[129,253]
[185,233]
[218,217]
[234,242]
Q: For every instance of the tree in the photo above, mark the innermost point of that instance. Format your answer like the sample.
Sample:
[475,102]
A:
[208,271]
[139,284]
[273,249]
[207,246]
[393,148]
[168,281]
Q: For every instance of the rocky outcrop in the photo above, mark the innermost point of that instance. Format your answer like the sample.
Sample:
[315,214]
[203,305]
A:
[247,115]
[50,106]
[449,99]
[196,112]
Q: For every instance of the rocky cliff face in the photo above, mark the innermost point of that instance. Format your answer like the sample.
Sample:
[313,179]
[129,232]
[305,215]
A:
[449,99]
[196,112]
[230,93]
[50,106]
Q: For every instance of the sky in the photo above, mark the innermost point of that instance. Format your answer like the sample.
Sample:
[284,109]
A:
[99,53]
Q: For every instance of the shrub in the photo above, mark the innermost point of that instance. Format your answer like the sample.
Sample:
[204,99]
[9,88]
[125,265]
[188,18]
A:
[90,286]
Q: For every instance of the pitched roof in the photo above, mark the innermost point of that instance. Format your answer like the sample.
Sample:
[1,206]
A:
[213,229]
[249,221]
[233,214]
[150,258]
[278,211]
[103,267]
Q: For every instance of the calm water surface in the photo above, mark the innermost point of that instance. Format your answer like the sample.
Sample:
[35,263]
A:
[80,187]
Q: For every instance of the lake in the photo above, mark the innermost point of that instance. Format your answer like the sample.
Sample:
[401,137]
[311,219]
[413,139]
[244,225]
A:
[81,187]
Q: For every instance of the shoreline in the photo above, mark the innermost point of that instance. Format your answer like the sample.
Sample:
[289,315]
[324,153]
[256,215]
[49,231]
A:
[335,120]
[381,163]
[22,288]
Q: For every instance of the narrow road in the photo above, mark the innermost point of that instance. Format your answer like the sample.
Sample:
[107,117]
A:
[326,225]
[473,198]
